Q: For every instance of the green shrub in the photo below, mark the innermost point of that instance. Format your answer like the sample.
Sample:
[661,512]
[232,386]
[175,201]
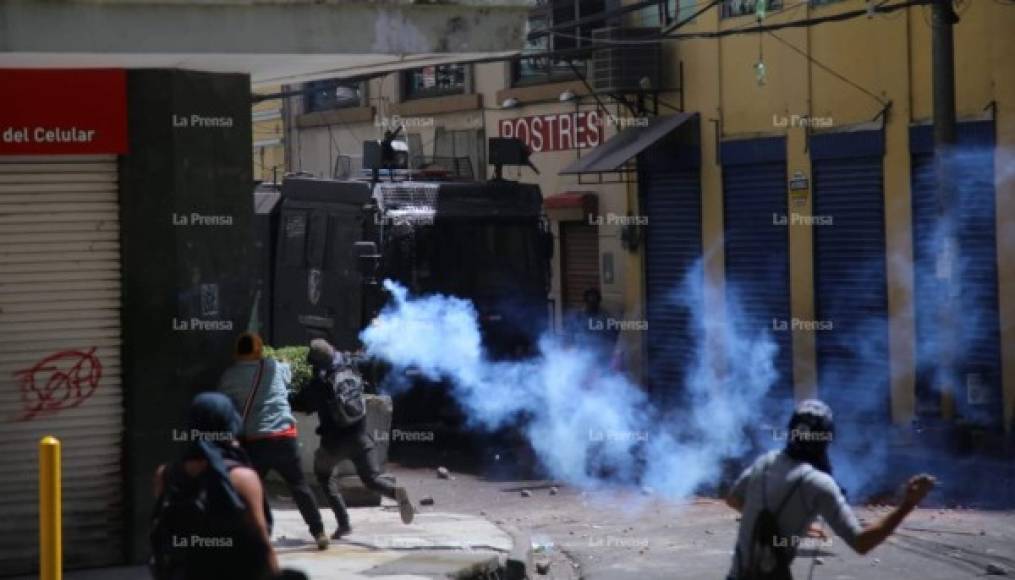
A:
[296,356]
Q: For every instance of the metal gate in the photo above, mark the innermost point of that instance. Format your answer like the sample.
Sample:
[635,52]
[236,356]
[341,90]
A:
[756,240]
[849,274]
[671,191]
[977,329]
[60,353]
[579,266]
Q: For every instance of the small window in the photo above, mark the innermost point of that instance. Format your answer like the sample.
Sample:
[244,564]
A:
[732,8]
[434,81]
[461,153]
[552,13]
[667,12]
[331,94]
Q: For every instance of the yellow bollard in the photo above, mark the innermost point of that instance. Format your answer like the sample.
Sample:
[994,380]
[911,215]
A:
[50,525]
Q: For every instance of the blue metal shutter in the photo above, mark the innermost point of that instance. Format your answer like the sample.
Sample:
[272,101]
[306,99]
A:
[979,329]
[671,190]
[849,275]
[757,248]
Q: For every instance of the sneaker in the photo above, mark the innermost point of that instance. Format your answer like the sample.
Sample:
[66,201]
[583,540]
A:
[322,540]
[404,505]
[341,531]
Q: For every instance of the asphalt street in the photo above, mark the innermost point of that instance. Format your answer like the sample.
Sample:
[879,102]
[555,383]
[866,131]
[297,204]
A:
[620,534]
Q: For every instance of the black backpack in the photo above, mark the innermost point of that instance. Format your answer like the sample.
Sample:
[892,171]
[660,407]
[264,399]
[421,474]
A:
[346,404]
[770,553]
[196,532]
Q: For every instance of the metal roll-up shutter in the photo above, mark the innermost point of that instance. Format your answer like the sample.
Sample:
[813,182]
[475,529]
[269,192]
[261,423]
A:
[671,191]
[580,262]
[976,330]
[850,282]
[60,353]
[756,240]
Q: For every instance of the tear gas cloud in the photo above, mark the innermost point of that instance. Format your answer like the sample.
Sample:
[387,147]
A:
[584,420]
[586,423]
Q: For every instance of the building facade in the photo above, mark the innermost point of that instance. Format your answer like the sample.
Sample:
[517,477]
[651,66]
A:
[269,151]
[787,173]
[447,114]
[822,163]
[126,273]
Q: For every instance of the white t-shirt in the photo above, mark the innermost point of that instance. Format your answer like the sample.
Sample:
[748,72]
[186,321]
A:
[816,495]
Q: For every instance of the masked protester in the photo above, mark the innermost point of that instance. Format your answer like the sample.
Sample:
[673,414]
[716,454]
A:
[783,493]
[336,394]
[210,514]
[257,387]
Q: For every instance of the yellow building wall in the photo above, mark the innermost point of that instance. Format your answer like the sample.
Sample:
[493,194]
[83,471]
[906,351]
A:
[268,127]
[888,56]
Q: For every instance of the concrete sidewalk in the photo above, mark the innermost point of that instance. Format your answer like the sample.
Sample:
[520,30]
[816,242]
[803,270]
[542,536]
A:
[381,547]
[435,545]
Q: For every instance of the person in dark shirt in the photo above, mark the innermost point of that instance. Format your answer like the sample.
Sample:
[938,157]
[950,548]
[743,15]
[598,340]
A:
[235,514]
[591,328]
[339,443]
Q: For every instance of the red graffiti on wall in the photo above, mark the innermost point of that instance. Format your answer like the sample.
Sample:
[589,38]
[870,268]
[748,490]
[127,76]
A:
[60,381]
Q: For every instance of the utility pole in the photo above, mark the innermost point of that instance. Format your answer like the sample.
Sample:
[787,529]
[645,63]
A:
[947,336]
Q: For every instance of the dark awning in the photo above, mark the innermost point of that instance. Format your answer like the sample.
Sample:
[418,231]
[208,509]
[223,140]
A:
[622,147]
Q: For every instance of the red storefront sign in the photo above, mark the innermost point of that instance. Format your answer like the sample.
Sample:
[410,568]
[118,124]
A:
[63,111]
[556,132]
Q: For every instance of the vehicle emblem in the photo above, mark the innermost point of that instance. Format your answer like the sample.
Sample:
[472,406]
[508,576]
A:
[314,286]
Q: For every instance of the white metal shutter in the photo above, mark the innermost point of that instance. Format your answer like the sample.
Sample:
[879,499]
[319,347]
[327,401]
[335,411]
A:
[60,353]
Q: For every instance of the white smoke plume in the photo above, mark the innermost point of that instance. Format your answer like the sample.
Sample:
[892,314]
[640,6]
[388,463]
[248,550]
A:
[585,422]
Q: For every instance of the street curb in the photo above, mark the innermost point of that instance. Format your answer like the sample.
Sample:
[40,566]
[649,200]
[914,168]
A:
[518,564]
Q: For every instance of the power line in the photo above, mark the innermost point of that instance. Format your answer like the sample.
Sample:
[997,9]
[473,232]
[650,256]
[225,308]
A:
[802,23]
[602,44]
[828,69]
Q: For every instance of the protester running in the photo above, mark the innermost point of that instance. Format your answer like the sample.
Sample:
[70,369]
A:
[257,386]
[335,393]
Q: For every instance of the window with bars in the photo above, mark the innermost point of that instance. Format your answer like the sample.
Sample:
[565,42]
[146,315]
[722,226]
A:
[732,8]
[548,14]
[434,81]
[666,12]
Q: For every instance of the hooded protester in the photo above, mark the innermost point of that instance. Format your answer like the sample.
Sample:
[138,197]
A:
[210,514]
[257,386]
[781,495]
[335,396]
